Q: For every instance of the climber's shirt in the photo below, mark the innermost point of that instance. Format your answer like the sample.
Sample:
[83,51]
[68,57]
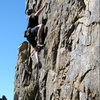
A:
[33,21]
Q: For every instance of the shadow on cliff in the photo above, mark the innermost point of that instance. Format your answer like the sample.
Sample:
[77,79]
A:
[45,31]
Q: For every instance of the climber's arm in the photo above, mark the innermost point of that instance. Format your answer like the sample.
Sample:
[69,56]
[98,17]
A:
[40,10]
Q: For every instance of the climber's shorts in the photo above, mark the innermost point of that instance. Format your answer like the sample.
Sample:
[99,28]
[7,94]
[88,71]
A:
[32,37]
[34,30]
[33,43]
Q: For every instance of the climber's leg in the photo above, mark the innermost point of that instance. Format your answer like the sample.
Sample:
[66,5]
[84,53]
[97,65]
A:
[38,64]
[40,31]
[36,54]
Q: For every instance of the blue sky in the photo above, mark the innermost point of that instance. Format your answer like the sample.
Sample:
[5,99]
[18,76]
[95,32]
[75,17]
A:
[12,25]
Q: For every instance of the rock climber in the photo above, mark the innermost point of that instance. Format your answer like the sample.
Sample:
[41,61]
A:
[34,29]
[33,23]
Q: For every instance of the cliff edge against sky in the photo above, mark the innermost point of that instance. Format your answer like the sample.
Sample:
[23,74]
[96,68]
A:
[70,59]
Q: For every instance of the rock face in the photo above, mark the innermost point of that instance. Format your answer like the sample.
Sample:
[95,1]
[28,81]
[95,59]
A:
[70,60]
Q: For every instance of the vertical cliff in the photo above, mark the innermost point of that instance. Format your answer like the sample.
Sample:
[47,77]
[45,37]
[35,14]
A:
[70,59]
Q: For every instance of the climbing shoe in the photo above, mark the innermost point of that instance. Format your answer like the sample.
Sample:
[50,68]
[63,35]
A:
[40,45]
[38,65]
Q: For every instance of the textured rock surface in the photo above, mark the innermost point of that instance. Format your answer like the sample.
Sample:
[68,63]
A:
[70,60]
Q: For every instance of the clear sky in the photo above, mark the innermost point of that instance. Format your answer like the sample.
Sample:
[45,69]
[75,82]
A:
[12,25]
